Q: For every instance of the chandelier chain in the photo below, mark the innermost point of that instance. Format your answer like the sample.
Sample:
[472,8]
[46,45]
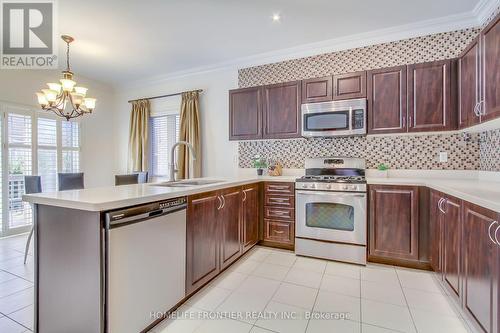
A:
[67,57]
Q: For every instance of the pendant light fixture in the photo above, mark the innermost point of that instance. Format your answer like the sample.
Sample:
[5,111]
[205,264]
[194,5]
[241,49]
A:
[66,99]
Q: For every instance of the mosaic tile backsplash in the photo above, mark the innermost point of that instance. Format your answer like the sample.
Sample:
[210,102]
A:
[490,151]
[398,152]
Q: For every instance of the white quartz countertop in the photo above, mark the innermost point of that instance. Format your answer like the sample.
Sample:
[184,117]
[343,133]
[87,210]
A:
[114,197]
[480,192]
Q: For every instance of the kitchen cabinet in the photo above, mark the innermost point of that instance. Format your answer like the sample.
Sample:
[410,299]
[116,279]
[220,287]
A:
[468,85]
[387,100]
[250,210]
[436,225]
[349,85]
[490,64]
[202,240]
[393,223]
[480,266]
[245,114]
[279,214]
[317,90]
[281,110]
[451,208]
[430,102]
[229,221]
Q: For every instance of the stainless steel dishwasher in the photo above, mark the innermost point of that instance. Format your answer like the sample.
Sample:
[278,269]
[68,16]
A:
[146,263]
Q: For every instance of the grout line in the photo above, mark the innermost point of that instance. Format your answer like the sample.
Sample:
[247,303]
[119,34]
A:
[360,303]
[406,301]
[317,294]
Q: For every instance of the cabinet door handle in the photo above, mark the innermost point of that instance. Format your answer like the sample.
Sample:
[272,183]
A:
[404,122]
[482,109]
[220,202]
[440,205]
[244,196]
[223,201]
[496,234]
[410,122]
[476,109]
[489,232]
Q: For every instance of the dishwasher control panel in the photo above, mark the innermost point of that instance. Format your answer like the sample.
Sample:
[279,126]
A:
[172,202]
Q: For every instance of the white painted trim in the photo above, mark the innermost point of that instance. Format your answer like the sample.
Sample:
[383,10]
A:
[417,29]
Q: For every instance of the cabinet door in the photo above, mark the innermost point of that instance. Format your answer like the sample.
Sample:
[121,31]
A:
[451,243]
[387,100]
[202,245]
[350,85]
[436,219]
[245,114]
[394,222]
[490,55]
[250,215]
[282,110]
[480,265]
[317,90]
[468,85]
[230,226]
[430,104]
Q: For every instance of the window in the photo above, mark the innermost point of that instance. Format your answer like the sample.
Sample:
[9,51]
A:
[164,134]
[34,145]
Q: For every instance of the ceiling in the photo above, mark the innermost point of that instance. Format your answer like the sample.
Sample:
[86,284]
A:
[120,41]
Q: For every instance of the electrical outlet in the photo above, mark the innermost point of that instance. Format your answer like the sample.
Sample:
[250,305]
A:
[443,157]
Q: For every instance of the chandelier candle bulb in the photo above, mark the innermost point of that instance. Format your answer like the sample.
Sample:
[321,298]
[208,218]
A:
[77,99]
[42,100]
[50,95]
[67,84]
[89,103]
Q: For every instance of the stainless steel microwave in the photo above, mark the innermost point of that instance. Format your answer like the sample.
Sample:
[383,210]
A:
[336,118]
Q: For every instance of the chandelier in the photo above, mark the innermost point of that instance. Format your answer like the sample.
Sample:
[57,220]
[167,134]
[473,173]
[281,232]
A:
[66,99]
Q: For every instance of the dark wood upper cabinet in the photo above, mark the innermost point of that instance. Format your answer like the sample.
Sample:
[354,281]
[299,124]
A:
[202,245]
[229,221]
[468,85]
[250,211]
[317,90]
[452,243]
[349,85]
[430,103]
[480,266]
[394,222]
[436,223]
[281,110]
[387,100]
[490,57]
[245,114]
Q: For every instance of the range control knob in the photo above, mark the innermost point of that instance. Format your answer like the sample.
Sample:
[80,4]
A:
[304,185]
[313,185]
[328,186]
[345,187]
[354,187]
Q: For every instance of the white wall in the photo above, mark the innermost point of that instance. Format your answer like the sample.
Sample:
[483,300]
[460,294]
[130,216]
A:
[219,155]
[98,140]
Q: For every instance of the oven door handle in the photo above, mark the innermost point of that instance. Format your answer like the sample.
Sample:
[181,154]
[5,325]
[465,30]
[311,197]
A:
[339,194]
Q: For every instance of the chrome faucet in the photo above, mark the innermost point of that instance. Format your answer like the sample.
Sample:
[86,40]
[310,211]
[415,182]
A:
[173,170]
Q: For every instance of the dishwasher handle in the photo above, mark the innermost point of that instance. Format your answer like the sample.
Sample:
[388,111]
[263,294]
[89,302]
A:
[136,214]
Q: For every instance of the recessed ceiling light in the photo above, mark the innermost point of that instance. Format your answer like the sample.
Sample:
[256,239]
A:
[276,17]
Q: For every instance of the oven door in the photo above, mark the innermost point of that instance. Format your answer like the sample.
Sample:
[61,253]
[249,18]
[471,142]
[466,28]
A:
[331,216]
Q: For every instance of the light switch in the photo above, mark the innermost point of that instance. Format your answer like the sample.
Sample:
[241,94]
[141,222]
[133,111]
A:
[443,157]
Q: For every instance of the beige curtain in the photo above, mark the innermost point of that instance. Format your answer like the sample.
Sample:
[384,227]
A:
[138,144]
[190,132]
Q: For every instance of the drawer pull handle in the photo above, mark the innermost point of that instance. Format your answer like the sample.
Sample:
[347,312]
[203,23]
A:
[277,187]
[278,212]
[496,233]
[489,232]
[278,232]
[244,196]
[279,199]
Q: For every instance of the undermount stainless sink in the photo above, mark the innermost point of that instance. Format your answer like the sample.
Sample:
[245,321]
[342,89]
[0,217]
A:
[188,183]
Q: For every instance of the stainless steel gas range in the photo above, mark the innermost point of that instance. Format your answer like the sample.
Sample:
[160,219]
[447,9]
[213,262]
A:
[330,206]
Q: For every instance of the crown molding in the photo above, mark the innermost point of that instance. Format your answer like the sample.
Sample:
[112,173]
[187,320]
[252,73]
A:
[417,29]
[484,9]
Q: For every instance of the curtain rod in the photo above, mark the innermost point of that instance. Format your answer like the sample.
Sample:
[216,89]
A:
[163,96]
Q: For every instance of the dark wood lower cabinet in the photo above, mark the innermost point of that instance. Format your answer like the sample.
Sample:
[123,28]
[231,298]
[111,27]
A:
[279,215]
[229,222]
[451,243]
[480,266]
[436,225]
[202,240]
[393,223]
[250,211]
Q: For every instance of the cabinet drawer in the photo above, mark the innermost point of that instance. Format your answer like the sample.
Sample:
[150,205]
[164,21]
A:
[279,200]
[271,212]
[278,231]
[279,188]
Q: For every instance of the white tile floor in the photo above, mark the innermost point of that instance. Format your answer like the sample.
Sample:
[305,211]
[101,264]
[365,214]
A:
[374,299]
[16,286]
